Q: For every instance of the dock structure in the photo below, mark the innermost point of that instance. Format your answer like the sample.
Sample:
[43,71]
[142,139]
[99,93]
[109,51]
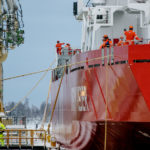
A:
[27,139]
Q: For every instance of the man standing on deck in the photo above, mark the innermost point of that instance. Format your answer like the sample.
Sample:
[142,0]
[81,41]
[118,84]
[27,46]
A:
[2,127]
[106,42]
[121,42]
[130,36]
[59,47]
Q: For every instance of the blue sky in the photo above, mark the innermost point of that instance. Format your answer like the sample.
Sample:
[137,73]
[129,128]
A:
[46,21]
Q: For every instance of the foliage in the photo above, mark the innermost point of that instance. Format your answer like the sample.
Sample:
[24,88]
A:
[28,111]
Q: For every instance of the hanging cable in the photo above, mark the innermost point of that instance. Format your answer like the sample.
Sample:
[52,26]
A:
[50,69]
[56,99]
[46,105]
[28,93]
[43,76]
[28,74]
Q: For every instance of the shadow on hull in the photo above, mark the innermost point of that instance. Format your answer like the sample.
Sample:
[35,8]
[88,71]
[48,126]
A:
[120,136]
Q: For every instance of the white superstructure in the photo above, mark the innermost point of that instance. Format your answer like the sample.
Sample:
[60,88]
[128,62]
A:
[111,17]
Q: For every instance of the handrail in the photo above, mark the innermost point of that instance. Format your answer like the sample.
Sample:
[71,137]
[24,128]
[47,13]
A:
[23,137]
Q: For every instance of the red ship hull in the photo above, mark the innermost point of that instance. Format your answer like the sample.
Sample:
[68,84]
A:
[98,90]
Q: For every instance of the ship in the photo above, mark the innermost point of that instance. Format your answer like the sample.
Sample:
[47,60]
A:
[101,97]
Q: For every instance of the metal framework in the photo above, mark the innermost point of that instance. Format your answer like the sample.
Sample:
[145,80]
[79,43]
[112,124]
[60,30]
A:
[19,137]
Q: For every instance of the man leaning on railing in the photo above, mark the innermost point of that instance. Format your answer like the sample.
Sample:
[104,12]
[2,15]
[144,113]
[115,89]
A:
[2,127]
[106,42]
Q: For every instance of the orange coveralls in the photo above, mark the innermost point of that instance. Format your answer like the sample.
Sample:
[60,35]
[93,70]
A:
[105,43]
[130,36]
[59,47]
[121,43]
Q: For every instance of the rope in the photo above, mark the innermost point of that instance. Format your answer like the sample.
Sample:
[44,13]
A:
[30,90]
[28,93]
[45,110]
[25,74]
[50,69]
[106,106]
[52,114]
[48,128]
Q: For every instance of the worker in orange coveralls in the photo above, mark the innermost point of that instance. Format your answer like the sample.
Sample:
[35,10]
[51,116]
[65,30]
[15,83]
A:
[130,36]
[106,42]
[121,42]
[59,47]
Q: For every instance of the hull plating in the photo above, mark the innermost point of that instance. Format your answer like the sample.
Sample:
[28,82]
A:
[81,108]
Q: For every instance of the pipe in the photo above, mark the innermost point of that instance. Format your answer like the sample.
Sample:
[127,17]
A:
[10,6]
[4,7]
[15,5]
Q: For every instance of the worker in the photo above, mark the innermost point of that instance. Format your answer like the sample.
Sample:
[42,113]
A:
[2,127]
[69,48]
[121,42]
[106,42]
[130,36]
[59,47]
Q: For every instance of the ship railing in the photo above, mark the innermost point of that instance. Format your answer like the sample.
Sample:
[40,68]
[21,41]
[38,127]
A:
[63,60]
[142,41]
[23,137]
[70,52]
[138,42]
[107,55]
[110,54]
[14,121]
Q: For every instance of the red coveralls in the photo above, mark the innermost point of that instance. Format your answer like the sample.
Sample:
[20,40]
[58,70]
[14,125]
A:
[130,36]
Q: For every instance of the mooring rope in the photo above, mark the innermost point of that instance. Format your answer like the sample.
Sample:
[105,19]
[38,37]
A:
[50,69]
[46,105]
[55,102]
[20,101]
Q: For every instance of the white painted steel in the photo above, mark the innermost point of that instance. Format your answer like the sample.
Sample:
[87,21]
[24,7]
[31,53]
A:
[112,17]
